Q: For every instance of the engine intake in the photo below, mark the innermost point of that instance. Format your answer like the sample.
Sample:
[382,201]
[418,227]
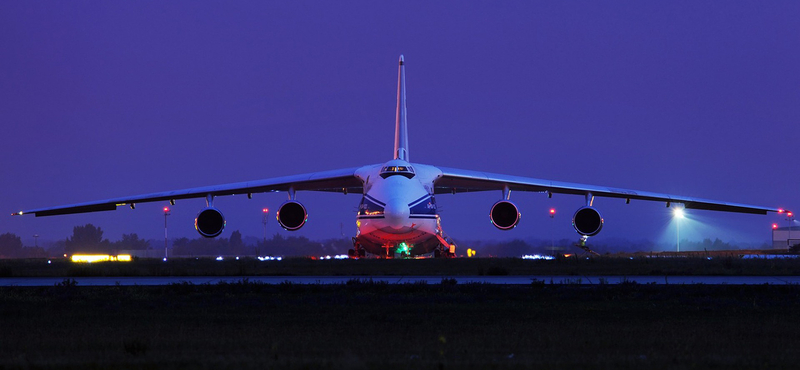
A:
[292,215]
[587,221]
[504,215]
[209,222]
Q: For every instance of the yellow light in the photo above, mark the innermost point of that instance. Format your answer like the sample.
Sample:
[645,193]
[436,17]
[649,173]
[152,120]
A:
[90,258]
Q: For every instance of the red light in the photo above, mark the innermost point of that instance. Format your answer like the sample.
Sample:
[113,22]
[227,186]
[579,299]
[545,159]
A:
[552,211]
[166,209]
[266,210]
[780,210]
[789,214]
[774,226]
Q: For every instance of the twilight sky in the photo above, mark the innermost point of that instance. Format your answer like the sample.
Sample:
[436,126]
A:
[100,99]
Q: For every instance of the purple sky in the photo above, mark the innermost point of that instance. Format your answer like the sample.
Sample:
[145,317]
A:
[104,99]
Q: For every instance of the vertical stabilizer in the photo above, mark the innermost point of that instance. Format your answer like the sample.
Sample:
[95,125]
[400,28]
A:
[401,126]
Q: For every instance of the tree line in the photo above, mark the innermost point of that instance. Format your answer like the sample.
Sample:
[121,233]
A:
[89,239]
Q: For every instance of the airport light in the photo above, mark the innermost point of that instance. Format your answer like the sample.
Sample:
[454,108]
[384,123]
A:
[264,221]
[166,213]
[678,214]
[552,232]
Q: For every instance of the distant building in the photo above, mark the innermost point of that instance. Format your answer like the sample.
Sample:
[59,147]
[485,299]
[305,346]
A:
[785,237]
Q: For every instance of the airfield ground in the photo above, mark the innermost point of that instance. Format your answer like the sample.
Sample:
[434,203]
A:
[575,266]
[366,325]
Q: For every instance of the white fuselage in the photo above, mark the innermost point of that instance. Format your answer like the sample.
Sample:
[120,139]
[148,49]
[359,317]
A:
[398,208]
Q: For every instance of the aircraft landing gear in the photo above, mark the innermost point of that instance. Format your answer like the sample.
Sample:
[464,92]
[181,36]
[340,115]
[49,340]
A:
[357,251]
[444,251]
[582,245]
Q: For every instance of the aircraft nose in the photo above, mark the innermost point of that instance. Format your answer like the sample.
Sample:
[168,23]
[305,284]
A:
[396,212]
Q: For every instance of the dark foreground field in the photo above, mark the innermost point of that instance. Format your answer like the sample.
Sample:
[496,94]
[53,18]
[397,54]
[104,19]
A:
[415,326]
[595,266]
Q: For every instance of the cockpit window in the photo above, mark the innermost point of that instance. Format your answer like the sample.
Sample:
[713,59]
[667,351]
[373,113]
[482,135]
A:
[406,171]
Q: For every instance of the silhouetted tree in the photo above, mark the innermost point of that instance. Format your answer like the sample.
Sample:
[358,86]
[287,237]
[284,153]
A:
[131,242]
[10,245]
[86,239]
[235,244]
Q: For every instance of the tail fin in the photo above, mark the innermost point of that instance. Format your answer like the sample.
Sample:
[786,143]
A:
[401,126]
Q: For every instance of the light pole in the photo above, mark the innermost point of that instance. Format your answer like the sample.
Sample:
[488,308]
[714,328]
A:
[166,213]
[678,214]
[36,240]
[552,233]
[790,218]
[264,221]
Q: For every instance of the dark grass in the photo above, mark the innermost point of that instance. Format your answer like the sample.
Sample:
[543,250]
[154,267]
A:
[730,266]
[407,326]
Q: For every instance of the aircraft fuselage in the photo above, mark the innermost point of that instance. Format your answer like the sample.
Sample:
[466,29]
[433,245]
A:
[398,207]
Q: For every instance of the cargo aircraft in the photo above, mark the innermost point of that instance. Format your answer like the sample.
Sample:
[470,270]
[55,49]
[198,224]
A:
[398,213]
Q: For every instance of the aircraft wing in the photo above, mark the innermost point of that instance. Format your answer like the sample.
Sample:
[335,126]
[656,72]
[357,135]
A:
[342,180]
[456,180]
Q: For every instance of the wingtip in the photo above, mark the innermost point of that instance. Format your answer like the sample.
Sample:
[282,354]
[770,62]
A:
[401,59]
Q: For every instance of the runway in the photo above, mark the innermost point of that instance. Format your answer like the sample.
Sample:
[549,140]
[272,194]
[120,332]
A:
[500,280]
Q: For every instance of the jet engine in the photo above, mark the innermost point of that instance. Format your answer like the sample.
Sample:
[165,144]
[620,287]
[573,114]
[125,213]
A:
[504,215]
[209,222]
[587,221]
[292,215]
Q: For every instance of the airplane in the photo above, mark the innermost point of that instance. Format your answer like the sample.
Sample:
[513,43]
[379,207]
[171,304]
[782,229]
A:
[398,213]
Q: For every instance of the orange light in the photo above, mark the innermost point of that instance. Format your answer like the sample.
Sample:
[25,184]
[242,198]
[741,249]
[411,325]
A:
[780,210]
[789,214]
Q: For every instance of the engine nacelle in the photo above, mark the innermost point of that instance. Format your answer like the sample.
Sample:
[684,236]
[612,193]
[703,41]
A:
[504,215]
[587,221]
[209,222]
[292,215]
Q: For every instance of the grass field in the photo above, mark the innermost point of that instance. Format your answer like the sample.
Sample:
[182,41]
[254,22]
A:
[366,325]
[430,267]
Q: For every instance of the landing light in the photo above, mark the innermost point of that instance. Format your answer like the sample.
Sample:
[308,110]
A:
[678,213]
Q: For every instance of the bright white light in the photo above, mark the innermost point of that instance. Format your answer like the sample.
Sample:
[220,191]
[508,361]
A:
[678,213]
[537,257]
[219,258]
